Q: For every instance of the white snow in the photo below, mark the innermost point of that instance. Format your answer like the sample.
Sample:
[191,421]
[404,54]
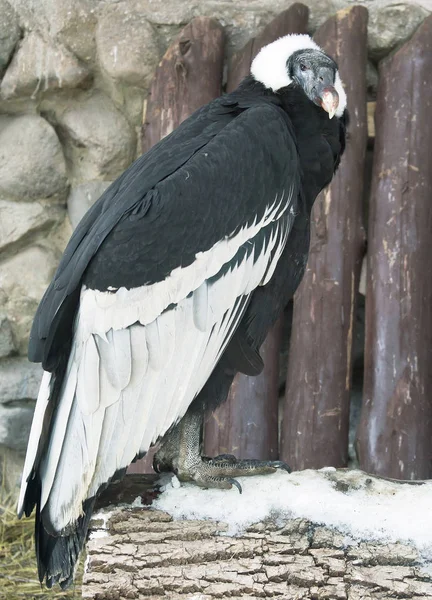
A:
[101,531]
[359,506]
[137,503]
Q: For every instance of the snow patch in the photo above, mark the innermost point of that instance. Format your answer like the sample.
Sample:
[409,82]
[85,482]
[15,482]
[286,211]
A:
[101,531]
[175,482]
[358,505]
[137,503]
[86,563]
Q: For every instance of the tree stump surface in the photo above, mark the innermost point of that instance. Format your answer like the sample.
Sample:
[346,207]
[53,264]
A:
[138,552]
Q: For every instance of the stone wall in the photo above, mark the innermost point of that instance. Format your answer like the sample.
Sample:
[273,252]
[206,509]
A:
[74,75]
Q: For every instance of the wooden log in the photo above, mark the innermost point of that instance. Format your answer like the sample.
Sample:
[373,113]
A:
[371,106]
[139,551]
[395,432]
[292,20]
[316,409]
[246,425]
[188,76]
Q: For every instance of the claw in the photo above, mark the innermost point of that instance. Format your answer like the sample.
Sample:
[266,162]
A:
[280,464]
[236,483]
[179,452]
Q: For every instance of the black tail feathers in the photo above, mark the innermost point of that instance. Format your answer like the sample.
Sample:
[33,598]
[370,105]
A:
[57,552]
[57,555]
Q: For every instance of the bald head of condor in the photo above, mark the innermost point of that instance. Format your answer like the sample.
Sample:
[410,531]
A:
[168,288]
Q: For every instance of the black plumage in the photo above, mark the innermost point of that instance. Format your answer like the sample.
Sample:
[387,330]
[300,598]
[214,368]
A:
[221,202]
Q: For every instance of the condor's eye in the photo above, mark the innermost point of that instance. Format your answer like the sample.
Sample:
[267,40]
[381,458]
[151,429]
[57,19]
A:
[303,67]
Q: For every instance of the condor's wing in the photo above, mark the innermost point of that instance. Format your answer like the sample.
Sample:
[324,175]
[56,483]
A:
[159,299]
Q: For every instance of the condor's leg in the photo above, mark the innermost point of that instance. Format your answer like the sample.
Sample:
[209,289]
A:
[180,449]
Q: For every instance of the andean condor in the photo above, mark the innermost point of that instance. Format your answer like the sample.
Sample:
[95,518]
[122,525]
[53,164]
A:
[168,287]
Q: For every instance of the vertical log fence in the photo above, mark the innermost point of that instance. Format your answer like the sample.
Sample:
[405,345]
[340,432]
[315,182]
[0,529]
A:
[246,425]
[395,432]
[316,410]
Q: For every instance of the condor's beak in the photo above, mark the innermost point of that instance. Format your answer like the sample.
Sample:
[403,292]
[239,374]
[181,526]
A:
[328,99]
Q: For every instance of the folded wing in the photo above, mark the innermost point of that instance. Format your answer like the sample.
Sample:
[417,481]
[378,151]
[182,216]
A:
[156,306]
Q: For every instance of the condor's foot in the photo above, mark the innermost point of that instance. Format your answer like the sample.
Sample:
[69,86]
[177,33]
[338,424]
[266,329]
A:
[220,472]
[180,453]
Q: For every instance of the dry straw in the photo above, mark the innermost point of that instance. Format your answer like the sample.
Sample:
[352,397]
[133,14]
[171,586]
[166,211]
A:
[18,573]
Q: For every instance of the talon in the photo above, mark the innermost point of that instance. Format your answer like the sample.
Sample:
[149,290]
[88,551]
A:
[179,452]
[236,483]
[280,464]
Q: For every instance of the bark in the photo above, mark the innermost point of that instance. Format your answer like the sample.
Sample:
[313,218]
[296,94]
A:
[316,410]
[292,20]
[246,425]
[371,106]
[188,76]
[395,433]
[136,552]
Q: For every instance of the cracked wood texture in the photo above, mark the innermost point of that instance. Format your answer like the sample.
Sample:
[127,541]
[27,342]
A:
[246,425]
[145,555]
[395,432]
[188,76]
[316,409]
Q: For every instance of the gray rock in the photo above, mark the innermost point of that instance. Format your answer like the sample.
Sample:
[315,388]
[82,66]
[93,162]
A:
[23,280]
[73,24]
[9,33]
[15,423]
[129,100]
[39,66]
[242,19]
[177,12]
[83,197]
[7,344]
[59,236]
[391,25]
[98,139]
[32,164]
[11,466]
[321,11]
[19,380]
[70,22]
[127,45]
[19,221]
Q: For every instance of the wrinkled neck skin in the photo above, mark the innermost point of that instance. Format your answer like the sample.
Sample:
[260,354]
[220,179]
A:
[319,140]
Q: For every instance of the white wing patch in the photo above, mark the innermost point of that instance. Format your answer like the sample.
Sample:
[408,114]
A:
[35,434]
[144,304]
[136,365]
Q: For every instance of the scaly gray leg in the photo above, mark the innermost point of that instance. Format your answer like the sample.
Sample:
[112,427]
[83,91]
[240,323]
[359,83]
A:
[180,453]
